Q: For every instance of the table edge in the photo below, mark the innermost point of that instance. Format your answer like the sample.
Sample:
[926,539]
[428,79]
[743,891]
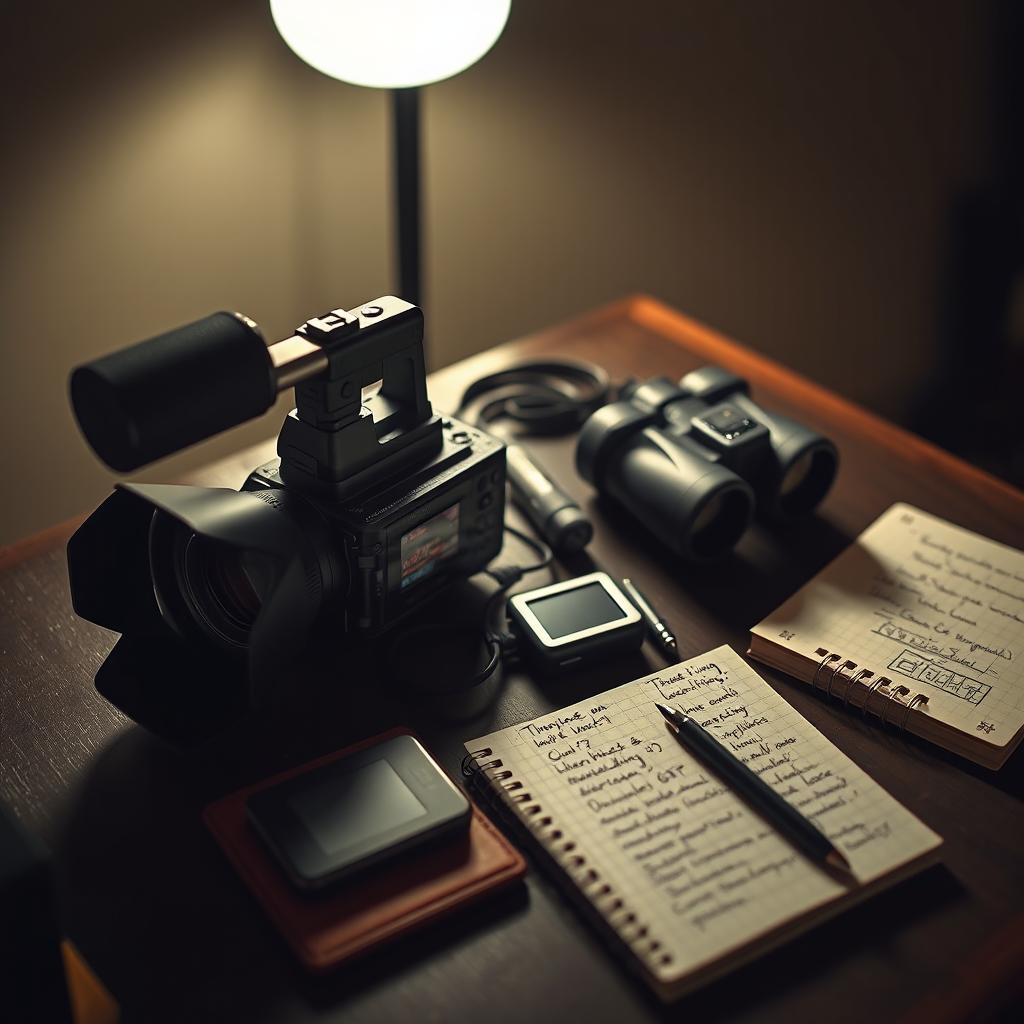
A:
[697,337]
[651,313]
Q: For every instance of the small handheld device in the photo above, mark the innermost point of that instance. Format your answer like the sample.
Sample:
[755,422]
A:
[357,811]
[576,622]
[553,513]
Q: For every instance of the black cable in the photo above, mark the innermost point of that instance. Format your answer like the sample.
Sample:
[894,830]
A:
[547,397]
[544,552]
[550,396]
[499,643]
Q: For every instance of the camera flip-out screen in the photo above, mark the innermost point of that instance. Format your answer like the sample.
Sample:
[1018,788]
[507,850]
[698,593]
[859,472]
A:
[425,546]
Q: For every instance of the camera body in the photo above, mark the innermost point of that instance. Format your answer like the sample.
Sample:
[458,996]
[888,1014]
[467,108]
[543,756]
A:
[403,541]
[694,461]
[374,505]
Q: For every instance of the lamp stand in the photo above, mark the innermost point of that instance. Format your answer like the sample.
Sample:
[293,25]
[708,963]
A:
[406,125]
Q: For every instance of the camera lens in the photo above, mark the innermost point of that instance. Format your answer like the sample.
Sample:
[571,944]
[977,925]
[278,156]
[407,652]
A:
[245,572]
[208,587]
[224,588]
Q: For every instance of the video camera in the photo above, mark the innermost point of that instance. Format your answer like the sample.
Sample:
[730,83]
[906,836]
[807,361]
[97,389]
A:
[374,505]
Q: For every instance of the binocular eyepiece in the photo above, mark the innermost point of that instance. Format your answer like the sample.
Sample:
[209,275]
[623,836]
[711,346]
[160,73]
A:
[695,461]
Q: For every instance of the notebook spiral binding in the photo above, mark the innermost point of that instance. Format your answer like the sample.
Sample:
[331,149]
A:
[833,665]
[565,852]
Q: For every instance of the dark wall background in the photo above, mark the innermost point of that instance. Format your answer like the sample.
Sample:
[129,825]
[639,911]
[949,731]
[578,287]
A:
[836,184]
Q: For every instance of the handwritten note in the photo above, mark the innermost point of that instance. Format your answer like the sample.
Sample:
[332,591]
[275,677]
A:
[703,872]
[932,606]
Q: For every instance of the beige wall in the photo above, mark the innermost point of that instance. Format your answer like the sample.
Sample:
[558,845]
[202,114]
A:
[781,170]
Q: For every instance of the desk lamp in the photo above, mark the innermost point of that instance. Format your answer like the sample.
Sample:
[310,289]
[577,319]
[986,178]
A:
[398,45]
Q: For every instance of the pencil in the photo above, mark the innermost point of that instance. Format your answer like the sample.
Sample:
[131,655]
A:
[783,816]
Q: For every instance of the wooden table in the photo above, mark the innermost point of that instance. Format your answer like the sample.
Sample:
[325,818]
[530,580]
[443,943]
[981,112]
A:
[168,927]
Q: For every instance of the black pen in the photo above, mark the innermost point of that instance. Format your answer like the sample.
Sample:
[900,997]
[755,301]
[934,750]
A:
[805,836]
[661,634]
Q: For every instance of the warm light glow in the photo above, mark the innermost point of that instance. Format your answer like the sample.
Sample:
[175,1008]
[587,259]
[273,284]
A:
[390,44]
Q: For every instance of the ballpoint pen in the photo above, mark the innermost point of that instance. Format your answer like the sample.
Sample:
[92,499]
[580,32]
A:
[660,633]
[782,815]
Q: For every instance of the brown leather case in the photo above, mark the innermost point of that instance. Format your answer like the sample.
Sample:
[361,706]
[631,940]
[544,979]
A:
[91,1003]
[354,916]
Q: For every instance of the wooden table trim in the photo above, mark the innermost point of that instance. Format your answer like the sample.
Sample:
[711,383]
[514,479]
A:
[53,657]
[654,315]
[38,543]
[696,337]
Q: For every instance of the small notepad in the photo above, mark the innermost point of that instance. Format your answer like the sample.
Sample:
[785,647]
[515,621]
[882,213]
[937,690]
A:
[661,854]
[919,623]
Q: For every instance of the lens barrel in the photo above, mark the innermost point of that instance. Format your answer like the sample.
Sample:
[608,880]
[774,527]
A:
[807,464]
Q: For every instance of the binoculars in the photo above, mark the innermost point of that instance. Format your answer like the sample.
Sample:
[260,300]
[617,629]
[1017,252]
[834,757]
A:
[694,461]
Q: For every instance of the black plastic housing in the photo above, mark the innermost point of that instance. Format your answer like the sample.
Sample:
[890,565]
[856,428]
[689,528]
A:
[374,506]
[693,461]
[342,560]
[159,396]
[468,472]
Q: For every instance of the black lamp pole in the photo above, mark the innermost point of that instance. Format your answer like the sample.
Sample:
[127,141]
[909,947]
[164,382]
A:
[406,109]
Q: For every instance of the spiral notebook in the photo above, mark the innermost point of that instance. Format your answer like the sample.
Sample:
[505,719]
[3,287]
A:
[920,625]
[665,860]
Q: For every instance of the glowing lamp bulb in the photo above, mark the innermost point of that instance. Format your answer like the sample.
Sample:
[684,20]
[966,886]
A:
[390,44]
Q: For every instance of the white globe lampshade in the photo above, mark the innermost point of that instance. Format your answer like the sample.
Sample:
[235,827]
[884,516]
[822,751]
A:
[390,44]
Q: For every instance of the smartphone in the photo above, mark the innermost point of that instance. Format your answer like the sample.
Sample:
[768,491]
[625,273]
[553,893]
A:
[341,818]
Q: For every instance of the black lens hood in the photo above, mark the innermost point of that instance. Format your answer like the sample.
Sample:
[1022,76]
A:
[162,673]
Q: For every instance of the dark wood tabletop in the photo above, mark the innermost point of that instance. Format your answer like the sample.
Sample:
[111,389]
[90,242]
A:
[159,914]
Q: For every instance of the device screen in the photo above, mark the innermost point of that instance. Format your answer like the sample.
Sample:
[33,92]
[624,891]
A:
[352,806]
[425,546]
[574,610]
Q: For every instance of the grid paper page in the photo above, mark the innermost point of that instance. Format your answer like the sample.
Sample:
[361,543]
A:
[700,870]
[928,604]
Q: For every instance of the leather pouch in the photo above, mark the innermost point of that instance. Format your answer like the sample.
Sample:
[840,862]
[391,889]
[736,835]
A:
[354,916]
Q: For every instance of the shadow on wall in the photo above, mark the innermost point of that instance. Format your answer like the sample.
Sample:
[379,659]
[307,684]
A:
[969,402]
[169,163]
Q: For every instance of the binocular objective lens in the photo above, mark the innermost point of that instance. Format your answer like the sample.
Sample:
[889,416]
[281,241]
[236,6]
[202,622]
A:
[806,481]
[795,475]
[708,514]
[719,523]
